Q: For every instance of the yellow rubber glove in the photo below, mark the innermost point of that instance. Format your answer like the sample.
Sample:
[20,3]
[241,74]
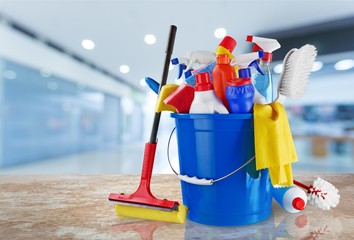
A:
[274,145]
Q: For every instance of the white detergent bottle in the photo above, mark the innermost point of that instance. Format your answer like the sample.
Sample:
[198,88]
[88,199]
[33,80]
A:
[292,199]
[205,99]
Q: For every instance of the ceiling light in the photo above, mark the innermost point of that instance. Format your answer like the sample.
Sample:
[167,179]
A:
[344,64]
[316,66]
[46,73]
[81,86]
[150,39]
[220,32]
[8,74]
[124,69]
[143,82]
[52,86]
[88,44]
[278,68]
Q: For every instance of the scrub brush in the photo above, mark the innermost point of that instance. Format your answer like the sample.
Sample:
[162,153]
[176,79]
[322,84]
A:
[322,194]
[297,66]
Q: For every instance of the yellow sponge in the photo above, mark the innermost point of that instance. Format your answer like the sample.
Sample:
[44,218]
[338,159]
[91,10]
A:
[177,216]
[163,94]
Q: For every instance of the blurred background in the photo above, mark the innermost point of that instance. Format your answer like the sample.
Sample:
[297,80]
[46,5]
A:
[73,97]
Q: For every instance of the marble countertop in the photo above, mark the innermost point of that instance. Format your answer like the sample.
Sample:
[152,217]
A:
[76,207]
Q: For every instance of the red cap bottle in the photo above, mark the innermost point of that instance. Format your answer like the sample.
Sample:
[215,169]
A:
[222,73]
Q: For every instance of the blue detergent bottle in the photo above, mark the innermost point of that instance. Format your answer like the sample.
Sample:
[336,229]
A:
[264,82]
[240,91]
[239,94]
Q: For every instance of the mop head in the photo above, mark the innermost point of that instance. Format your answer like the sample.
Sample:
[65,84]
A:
[181,98]
[208,68]
[164,93]
[176,216]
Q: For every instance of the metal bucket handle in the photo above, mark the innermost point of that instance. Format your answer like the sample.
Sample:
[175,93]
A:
[200,181]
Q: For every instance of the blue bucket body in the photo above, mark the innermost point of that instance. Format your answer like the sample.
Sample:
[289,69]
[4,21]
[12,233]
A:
[211,146]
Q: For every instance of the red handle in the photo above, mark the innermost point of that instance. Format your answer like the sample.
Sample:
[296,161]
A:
[301,185]
[148,162]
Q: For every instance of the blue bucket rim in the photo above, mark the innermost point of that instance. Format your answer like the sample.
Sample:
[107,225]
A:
[212,116]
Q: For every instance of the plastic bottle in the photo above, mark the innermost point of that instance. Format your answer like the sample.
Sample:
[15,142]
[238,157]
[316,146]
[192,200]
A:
[226,46]
[292,199]
[264,83]
[222,73]
[182,65]
[205,100]
[240,91]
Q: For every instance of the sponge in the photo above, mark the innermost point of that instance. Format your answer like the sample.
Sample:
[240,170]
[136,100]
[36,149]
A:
[177,216]
[181,98]
[164,93]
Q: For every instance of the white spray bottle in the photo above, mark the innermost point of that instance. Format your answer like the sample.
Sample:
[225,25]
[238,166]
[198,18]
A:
[185,64]
[264,82]
[292,199]
[200,57]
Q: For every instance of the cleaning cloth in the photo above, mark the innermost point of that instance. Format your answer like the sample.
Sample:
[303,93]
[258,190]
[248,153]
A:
[274,145]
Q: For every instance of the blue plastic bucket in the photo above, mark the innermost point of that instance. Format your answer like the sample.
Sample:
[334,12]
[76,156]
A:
[211,146]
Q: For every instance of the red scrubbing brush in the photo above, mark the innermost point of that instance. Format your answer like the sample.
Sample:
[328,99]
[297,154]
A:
[181,98]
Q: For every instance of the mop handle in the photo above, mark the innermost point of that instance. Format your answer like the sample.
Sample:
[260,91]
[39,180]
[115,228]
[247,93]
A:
[169,50]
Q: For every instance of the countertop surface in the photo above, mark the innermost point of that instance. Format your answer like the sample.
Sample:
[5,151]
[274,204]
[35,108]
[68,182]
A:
[76,207]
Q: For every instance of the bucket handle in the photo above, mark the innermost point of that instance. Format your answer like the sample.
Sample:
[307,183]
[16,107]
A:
[200,181]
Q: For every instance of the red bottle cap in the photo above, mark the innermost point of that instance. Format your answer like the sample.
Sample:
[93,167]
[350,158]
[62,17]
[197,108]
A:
[203,82]
[298,203]
[222,59]
[238,82]
[229,43]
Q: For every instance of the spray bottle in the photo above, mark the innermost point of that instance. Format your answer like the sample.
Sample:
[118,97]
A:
[292,199]
[264,83]
[205,100]
[240,91]
[185,64]
[200,57]
[182,65]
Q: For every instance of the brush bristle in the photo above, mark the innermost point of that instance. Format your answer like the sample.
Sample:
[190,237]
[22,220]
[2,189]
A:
[323,195]
[296,72]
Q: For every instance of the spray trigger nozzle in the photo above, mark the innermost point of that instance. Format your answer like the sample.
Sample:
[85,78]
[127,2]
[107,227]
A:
[174,61]
[181,68]
[256,66]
